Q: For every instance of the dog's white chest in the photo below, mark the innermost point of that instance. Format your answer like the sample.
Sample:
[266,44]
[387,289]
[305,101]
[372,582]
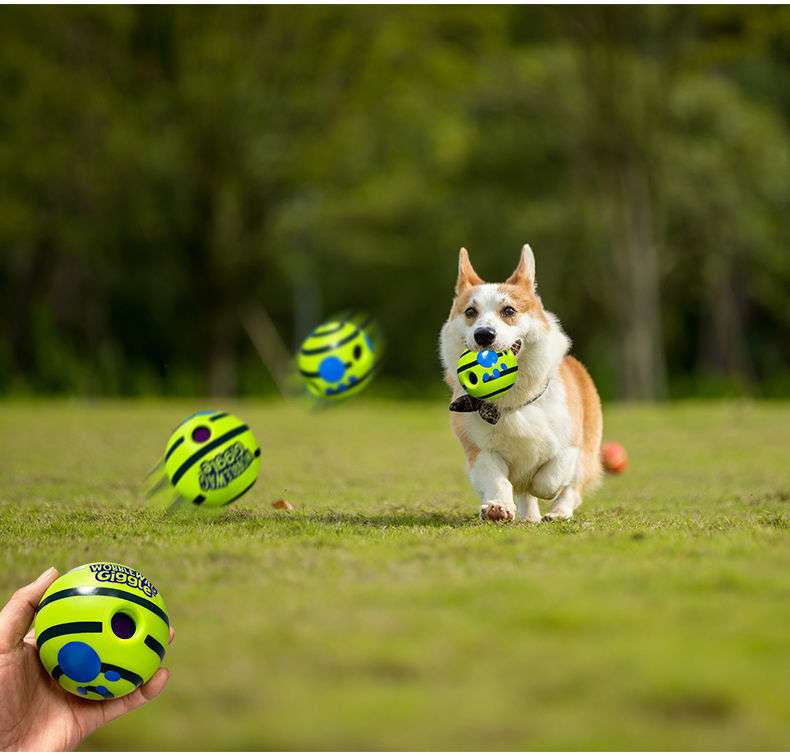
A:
[525,438]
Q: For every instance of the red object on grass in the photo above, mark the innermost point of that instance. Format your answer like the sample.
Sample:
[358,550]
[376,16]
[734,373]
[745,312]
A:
[614,457]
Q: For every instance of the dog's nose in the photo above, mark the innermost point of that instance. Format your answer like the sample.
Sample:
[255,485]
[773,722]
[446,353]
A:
[485,336]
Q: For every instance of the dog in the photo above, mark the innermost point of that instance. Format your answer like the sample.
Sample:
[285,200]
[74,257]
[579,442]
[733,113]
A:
[542,438]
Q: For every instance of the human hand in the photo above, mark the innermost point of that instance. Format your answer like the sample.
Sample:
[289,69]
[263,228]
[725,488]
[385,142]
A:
[36,713]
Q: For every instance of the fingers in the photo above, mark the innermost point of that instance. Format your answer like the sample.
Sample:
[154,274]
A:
[115,708]
[172,635]
[155,685]
[17,615]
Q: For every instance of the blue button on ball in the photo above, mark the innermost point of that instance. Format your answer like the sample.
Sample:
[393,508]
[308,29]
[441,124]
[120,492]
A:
[79,661]
[112,676]
[486,358]
[331,369]
[496,372]
[503,366]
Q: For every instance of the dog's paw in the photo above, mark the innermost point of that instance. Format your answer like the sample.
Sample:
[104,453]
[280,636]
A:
[554,516]
[498,512]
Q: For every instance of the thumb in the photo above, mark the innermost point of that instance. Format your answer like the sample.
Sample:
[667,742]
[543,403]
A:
[17,615]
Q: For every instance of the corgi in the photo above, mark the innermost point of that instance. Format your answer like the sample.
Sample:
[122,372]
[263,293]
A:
[542,438]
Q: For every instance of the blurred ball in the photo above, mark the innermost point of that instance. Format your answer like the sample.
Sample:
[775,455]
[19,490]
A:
[614,457]
[212,459]
[101,630]
[338,359]
[487,374]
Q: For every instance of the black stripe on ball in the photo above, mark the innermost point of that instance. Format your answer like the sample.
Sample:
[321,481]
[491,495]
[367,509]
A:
[236,497]
[494,393]
[109,592]
[174,447]
[503,373]
[324,349]
[105,693]
[72,627]
[208,448]
[124,673]
[153,644]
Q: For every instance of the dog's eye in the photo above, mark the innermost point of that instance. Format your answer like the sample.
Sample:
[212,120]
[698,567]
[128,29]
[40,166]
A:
[470,312]
[508,311]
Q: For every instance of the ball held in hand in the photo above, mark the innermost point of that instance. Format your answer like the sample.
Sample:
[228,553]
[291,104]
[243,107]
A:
[102,630]
[212,458]
[487,374]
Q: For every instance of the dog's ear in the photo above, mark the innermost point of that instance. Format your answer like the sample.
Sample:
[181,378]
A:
[524,274]
[466,273]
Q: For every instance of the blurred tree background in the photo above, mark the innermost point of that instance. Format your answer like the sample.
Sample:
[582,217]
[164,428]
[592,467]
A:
[166,170]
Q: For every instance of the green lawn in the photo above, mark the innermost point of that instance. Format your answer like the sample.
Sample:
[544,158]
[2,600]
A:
[383,614]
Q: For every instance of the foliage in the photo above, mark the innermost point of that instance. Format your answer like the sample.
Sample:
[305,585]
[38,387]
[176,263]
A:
[162,170]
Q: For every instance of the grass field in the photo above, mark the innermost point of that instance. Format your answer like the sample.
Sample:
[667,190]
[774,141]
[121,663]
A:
[383,614]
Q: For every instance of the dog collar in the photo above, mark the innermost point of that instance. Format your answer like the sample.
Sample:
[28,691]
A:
[489,412]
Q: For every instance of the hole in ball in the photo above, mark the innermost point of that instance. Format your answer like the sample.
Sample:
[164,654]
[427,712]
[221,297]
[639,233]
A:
[201,434]
[472,378]
[123,626]
[357,352]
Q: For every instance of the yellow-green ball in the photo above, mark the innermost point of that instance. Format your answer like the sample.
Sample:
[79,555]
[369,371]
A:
[101,630]
[337,360]
[212,459]
[487,374]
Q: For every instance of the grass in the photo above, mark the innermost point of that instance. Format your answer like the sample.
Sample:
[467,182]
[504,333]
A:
[381,614]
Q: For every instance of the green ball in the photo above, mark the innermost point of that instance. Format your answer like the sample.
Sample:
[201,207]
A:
[487,374]
[212,459]
[101,630]
[338,359]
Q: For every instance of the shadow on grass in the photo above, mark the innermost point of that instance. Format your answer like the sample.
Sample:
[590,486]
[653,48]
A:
[360,519]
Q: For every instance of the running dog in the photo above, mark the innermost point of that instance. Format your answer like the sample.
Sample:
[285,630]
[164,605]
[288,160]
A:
[542,438]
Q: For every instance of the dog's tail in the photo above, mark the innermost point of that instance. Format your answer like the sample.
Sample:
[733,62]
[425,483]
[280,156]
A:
[613,457]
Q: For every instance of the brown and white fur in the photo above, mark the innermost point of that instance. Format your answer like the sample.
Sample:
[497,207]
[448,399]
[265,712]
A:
[549,449]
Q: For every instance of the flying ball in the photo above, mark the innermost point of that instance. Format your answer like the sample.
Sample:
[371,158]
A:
[101,630]
[487,374]
[212,459]
[614,457]
[338,359]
